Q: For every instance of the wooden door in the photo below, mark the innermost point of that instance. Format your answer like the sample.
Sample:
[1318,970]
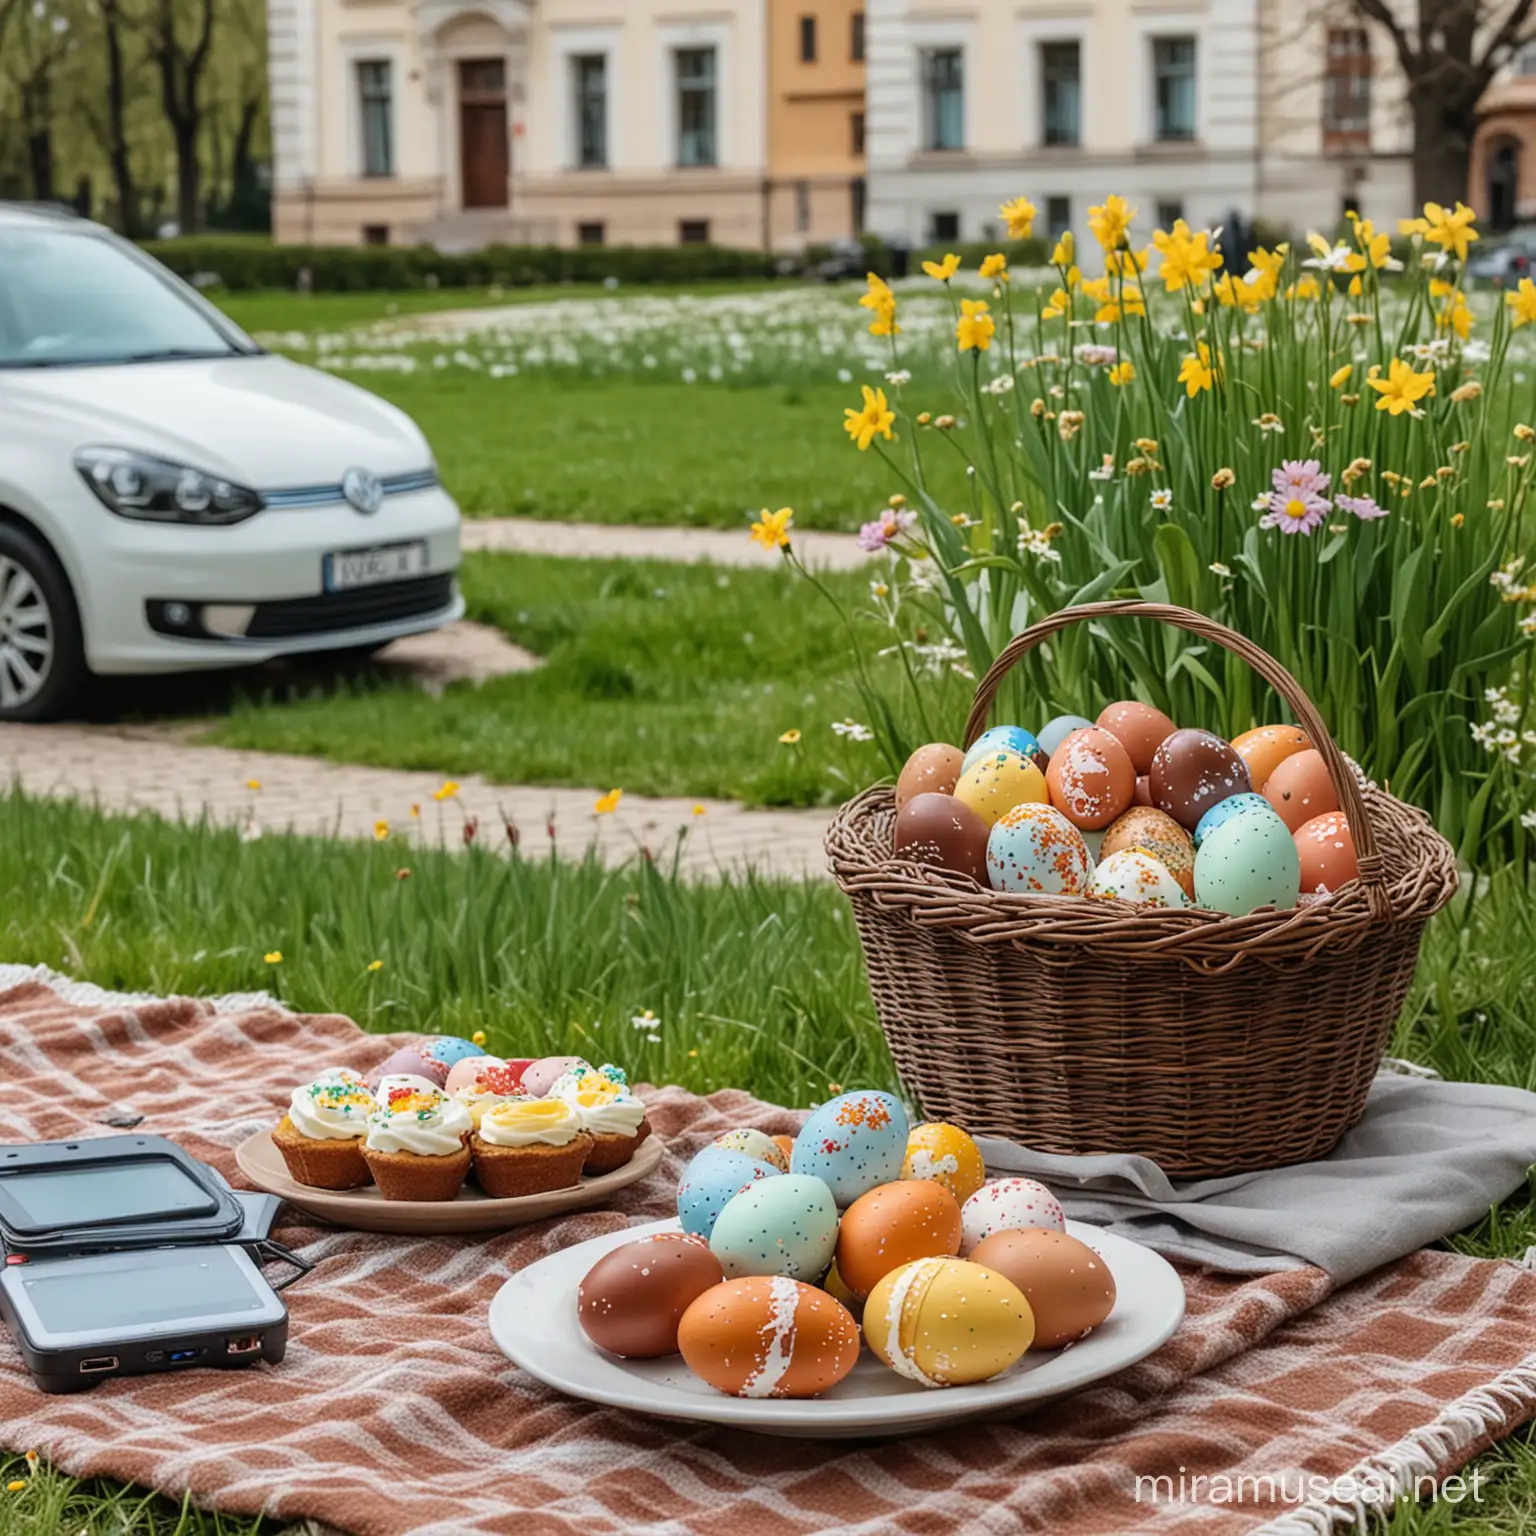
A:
[484,163]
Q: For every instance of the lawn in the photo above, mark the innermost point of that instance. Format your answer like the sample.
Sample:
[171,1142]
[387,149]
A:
[757,984]
[662,678]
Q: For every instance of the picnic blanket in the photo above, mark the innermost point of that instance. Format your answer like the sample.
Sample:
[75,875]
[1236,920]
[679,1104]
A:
[394,1413]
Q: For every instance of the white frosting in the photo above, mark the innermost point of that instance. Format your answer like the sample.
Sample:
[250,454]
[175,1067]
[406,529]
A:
[900,1361]
[530,1123]
[607,1108]
[432,1125]
[403,1080]
[333,1108]
[779,1334]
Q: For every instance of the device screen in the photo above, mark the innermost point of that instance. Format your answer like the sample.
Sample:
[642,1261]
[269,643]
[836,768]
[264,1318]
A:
[106,1192]
[168,1285]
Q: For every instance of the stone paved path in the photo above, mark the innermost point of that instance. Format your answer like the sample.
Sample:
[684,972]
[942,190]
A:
[118,768]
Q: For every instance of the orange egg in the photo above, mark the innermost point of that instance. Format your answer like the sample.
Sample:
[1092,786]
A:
[1139,728]
[1091,779]
[1267,746]
[786,1144]
[1300,788]
[1157,833]
[1327,849]
[892,1225]
[931,770]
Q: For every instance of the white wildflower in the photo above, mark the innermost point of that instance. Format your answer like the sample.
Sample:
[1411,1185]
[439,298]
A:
[1001,385]
[1105,471]
[1162,501]
[1221,570]
[1033,542]
[1094,354]
[1528,821]
[898,376]
[852,730]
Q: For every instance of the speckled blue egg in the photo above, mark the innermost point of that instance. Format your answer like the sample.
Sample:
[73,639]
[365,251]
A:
[784,1226]
[1005,738]
[1059,729]
[446,1050]
[710,1181]
[1224,810]
[1249,863]
[853,1143]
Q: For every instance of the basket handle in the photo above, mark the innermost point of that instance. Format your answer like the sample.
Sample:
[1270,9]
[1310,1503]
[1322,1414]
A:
[1372,872]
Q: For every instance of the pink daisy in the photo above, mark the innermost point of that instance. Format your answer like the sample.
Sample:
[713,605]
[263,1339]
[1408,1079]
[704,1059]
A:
[1364,507]
[886,528]
[1300,477]
[1294,513]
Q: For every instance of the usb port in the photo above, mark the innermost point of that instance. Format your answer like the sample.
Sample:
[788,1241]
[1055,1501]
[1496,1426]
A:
[98,1363]
[181,1356]
[244,1344]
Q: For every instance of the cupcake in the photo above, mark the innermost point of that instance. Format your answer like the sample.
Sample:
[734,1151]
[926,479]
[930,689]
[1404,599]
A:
[610,1114]
[494,1083]
[417,1146]
[526,1146]
[321,1136]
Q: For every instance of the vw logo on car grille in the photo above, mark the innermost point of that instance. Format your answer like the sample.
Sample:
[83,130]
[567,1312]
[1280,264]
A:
[363,489]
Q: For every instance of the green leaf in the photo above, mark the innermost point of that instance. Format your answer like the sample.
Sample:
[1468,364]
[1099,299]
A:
[1179,563]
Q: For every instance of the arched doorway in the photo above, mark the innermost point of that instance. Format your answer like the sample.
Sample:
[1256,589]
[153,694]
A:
[1503,174]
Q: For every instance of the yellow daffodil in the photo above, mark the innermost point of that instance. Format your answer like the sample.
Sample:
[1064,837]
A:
[1127,263]
[1235,293]
[874,420]
[1065,251]
[1450,229]
[1456,316]
[1122,373]
[1402,388]
[606,805]
[942,271]
[790,738]
[1019,216]
[701,810]
[882,303]
[478,1038]
[446,790]
[1522,303]
[1305,288]
[254,785]
[771,530]
[1188,259]
[1375,248]
[273,957]
[1059,304]
[1110,221]
[1196,373]
[15,1485]
[375,965]
[975,328]
[1112,305]
[995,265]
[1340,376]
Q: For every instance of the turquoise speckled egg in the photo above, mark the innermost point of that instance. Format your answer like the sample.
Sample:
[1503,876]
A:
[709,1183]
[1224,810]
[853,1143]
[785,1226]
[1036,850]
[1059,729]
[1005,738]
[448,1050]
[1247,863]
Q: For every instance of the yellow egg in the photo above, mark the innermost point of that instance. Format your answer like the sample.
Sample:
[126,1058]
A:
[946,1155]
[947,1322]
[994,784]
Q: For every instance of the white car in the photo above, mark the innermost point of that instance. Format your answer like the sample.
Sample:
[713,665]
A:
[172,497]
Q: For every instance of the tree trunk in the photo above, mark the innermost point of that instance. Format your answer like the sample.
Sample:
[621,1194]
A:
[1442,146]
[117,132]
[188,177]
[37,114]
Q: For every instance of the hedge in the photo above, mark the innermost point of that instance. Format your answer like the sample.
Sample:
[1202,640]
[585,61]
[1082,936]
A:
[242,265]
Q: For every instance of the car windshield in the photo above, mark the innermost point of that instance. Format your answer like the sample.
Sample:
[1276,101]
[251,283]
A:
[72,297]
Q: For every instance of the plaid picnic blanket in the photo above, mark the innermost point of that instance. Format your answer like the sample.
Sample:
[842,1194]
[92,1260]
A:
[395,1413]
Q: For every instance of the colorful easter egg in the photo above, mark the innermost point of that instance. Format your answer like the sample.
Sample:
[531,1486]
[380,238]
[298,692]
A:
[1327,851]
[853,1143]
[946,1155]
[1247,863]
[710,1181]
[1191,772]
[1006,738]
[1002,1204]
[1034,848]
[408,1061]
[1234,805]
[1058,730]
[1139,728]
[784,1226]
[447,1050]
[998,781]
[754,1143]
[545,1071]
[1133,875]
[1267,746]
[934,769]
[1157,833]
[1091,780]
[944,833]
[1301,788]
[892,1225]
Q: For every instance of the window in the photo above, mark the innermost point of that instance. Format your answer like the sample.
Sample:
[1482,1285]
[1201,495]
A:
[943,227]
[1058,216]
[696,107]
[589,85]
[376,98]
[1173,79]
[943,98]
[1061,92]
[802,207]
[1169,211]
[856,134]
[595,233]
[807,39]
[856,37]
[1525,61]
[1347,90]
[693,232]
[375,234]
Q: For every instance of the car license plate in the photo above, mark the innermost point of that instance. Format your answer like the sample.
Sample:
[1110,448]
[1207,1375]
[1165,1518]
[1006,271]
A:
[350,568]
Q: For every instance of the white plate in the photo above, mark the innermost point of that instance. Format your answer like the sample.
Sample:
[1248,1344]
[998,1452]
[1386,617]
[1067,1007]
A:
[349,568]
[533,1320]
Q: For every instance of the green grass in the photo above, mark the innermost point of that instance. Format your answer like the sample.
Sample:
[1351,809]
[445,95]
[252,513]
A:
[763,980]
[660,678]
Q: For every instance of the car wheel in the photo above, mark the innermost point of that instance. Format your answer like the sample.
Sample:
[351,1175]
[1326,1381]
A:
[42,657]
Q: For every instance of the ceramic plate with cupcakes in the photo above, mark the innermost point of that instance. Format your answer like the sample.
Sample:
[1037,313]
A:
[442,1137]
[864,1278]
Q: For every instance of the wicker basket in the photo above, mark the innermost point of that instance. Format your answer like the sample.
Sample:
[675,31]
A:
[1212,1044]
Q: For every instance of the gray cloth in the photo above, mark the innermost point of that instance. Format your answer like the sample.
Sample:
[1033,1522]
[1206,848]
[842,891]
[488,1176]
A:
[1427,1159]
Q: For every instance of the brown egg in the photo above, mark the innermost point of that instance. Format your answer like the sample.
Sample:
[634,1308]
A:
[1327,849]
[1143,795]
[941,831]
[633,1299]
[1091,780]
[1267,746]
[1300,788]
[1139,728]
[1157,833]
[931,770]
[892,1225]
[768,1336]
[1191,772]
[1068,1286]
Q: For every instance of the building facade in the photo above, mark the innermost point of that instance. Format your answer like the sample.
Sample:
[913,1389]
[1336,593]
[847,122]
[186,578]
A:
[1502,176]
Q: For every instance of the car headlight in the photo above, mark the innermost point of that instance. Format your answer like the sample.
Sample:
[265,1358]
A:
[154,490]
